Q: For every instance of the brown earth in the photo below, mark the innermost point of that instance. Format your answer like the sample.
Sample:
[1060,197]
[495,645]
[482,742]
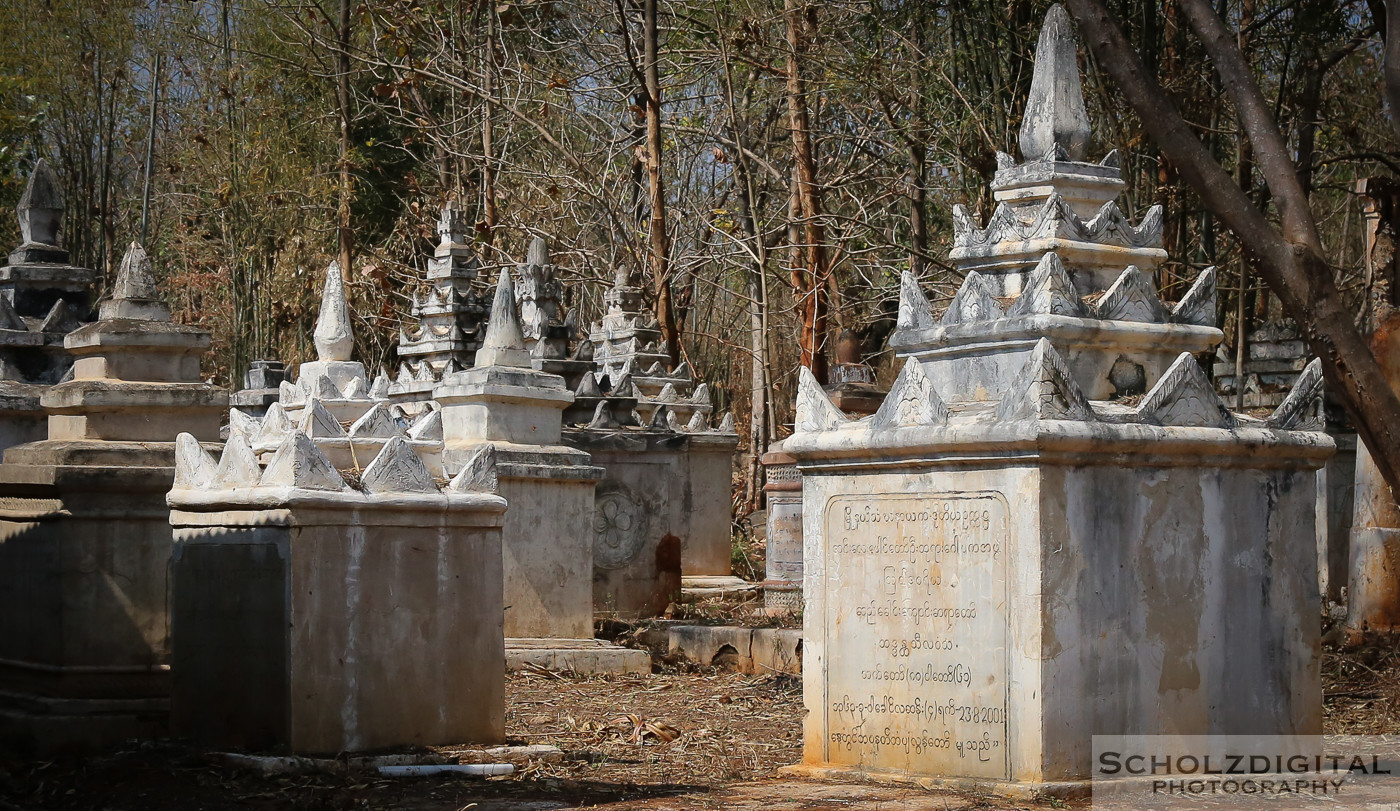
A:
[679,740]
[675,741]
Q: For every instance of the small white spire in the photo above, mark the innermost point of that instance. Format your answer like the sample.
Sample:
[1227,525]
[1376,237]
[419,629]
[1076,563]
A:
[504,344]
[334,340]
[539,252]
[134,294]
[1055,112]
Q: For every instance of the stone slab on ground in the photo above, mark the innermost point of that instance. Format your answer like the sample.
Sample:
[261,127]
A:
[47,724]
[1060,792]
[747,650]
[584,656]
[722,587]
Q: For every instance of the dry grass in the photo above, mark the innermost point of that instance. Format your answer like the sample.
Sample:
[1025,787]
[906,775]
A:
[1361,688]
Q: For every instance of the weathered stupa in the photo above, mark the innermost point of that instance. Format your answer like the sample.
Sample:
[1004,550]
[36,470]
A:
[661,511]
[451,316]
[42,298]
[85,539]
[627,347]
[328,592]
[1052,528]
[633,387]
[501,428]
[333,402]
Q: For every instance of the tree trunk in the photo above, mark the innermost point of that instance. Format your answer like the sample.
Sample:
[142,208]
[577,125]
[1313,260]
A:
[1290,262]
[811,279]
[918,208]
[1244,309]
[1391,26]
[106,221]
[150,152]
[638,171]
[342,98]
[488,158]
[757,306]
[756,288]
[1309,101]
[660,250]
[243,297]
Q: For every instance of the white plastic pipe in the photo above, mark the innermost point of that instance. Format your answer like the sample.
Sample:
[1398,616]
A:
[474,769]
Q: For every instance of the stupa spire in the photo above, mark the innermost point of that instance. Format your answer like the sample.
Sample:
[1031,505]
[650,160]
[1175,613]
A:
[334,340]
[504,344]
[40,208]
[135,279]
[539,252]
[1055,111]
[134,294]
[452,224]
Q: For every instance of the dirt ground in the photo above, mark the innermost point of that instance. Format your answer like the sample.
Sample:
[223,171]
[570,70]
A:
[679,740]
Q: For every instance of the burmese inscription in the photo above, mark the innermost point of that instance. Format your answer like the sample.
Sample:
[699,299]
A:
[916,633]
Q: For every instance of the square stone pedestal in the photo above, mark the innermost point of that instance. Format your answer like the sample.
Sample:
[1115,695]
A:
[661,514]
[501,427]
[547,553]
[84,545]
[332,622]
[984,597]
[84,534]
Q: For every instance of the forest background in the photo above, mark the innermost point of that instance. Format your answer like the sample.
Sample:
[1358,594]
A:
[765,169]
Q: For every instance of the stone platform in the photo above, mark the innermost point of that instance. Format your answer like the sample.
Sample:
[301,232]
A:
[1072,790]
[588,656]
[313,616]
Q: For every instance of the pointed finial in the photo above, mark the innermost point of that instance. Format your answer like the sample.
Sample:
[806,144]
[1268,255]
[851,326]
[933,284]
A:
[539,252]
[602,417]
[134,294]
[1055,110]
[40,208]
[334,341]
[1184,396]
[914,309]
[238,466]
[504,344]
[194,467]
[61,320]
[452,224]
[912,401]
[1044,389]
[815,411]
[1303,409]
[134,279]
[427,428]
